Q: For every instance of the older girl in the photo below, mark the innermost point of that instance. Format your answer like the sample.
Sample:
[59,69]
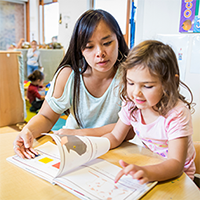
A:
[85,83]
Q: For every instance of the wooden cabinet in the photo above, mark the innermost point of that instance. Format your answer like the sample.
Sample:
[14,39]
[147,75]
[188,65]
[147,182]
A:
[12,103]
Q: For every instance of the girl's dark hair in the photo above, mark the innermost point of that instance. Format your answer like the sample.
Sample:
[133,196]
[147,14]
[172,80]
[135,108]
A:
[82,32]
[34,76]
[161,61]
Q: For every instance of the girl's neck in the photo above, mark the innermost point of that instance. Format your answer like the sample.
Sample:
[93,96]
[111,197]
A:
[149,116]
[100,75]
[94,79]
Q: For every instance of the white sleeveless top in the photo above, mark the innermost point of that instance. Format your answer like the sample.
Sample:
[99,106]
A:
[93,112]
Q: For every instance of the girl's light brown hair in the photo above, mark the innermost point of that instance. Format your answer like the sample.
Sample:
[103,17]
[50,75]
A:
[161,61]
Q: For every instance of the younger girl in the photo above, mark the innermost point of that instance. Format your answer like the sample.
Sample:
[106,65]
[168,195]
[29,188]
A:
[33,93]
[156,110]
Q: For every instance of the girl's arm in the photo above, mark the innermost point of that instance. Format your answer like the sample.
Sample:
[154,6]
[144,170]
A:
[100,131]
[118,134]
[42,122]
[172,167]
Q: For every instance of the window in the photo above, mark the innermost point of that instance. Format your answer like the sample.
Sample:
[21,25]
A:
[49,22]
[51,19]
[12,23]
[117,8]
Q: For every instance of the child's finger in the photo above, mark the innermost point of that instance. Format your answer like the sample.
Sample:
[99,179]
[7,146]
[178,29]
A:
[119,175]
[32,155]
[32,150]
[56,132]
[140,175]
[27,155]
[143,180]
[123,164]
[128,169]
[19,153]
[125,171]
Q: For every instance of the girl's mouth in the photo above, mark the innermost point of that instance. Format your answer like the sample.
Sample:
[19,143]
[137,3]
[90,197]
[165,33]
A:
[103,62]
[139,101]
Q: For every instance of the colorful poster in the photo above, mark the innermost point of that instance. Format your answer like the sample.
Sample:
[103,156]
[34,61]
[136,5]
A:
[187,16]
[197,18]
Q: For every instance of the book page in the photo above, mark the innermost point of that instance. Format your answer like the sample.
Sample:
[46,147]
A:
[95,180]
[92,180]
[77,150]
[45,165]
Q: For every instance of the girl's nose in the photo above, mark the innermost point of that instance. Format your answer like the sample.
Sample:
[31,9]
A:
[100,52]
[136,91]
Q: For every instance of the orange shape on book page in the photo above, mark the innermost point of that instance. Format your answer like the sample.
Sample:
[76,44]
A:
[57,165]
[64,140]
[46,160]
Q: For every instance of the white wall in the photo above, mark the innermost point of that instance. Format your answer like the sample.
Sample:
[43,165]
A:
[70,10]
[157,17]
[162,17]
[118,11]
[34,23]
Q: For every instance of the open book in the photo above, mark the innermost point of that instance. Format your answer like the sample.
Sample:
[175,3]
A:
[73,165]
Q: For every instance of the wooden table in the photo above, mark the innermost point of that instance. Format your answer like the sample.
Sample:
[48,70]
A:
[16,183]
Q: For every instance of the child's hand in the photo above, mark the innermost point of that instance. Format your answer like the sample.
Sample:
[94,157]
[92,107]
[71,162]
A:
[64,131]
[135,171]
[41,88]
[23,144]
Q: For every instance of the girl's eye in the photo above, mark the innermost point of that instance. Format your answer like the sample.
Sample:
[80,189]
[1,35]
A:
[148,87]
[129,83]
[89,47]
[107,43]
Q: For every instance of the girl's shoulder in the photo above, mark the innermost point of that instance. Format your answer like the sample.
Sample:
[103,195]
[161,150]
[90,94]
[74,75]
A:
[179,112]
[179,107]
[60,79]
[63,73]
[179,121]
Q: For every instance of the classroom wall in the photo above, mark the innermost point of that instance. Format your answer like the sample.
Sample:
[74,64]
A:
[34,21]
[156,17]
[162,17]
[70,10]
